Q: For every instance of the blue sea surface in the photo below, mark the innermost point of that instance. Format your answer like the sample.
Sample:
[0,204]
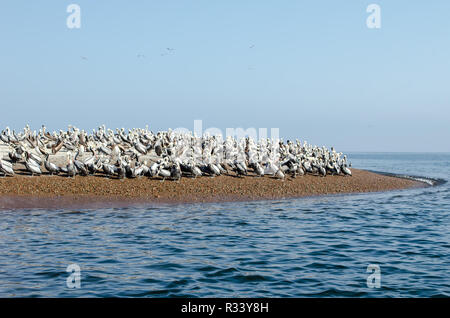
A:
[307,247]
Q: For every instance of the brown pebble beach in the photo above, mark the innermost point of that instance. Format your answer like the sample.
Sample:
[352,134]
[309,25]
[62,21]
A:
[22,191]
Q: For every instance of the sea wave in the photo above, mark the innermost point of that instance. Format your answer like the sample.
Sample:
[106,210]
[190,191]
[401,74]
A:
[428,180]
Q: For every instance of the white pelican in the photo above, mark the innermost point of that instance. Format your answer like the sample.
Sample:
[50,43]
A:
[51,167]
[6,168]
[31,165]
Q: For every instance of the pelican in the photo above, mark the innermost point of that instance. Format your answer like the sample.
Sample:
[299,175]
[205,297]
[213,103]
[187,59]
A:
[108,169]
[105,150]
[158,150]
[258,169]
[15,155]
[80,165]
[279,174]
[145,168]
[51,167]
[300,170]
[6,168]
[175,172]
[35,158]
[240,169]
[192,169]
[322,171]
[57,147]
[346,170]
[271,168]
[4,137]
[164,173]
[31,165]
[213,170]
[121,170]
[307,166]
[169,154]
[71,168]
[140,147]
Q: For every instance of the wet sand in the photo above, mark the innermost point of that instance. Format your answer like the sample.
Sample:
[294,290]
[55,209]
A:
[22,191]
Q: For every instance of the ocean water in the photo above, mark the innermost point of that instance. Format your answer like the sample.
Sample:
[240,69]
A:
[318,246]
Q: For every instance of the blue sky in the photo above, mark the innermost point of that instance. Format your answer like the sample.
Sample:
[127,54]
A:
[310,68]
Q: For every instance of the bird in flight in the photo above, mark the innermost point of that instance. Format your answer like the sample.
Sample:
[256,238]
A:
[84,58]
[168,51]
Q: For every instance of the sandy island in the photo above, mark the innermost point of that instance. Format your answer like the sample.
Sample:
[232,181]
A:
[22,191]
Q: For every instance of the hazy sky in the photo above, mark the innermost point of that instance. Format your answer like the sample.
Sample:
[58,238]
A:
[313,69]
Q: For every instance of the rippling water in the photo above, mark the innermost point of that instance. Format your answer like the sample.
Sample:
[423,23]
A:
[317,246]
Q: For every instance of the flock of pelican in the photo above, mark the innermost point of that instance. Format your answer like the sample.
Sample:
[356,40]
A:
[165,154]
